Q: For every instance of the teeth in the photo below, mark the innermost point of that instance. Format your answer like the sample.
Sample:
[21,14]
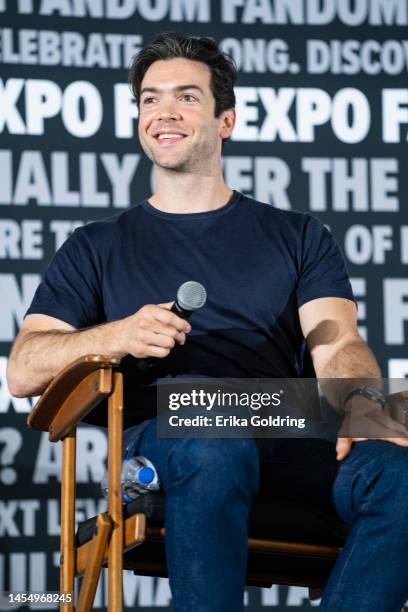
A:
[161,136]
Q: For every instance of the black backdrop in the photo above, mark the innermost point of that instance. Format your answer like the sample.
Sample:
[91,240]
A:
[322,127]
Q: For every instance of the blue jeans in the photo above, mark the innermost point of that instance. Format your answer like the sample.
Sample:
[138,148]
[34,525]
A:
[209,484]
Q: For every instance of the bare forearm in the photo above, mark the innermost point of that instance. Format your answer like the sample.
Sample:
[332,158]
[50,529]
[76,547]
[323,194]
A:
[38,355]
[41,355]
[352,366]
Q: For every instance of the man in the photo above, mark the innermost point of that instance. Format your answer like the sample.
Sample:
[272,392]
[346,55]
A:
[273,278]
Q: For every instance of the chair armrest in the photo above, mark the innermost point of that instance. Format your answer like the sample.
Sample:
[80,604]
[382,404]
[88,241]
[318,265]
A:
[72,394]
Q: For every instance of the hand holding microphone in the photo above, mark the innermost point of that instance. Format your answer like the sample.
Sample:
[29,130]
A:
[190,296]
[154,329]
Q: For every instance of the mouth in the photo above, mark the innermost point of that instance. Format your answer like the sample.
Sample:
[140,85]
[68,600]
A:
[168,138]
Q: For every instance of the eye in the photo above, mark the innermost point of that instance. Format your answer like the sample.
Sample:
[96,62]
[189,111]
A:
[148,100]
[189,97]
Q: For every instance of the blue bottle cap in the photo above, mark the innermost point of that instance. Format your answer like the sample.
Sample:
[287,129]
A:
[145,475]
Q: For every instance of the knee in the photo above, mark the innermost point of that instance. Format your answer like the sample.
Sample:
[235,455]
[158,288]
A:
[373,479]
[386,473]
[219,461]
[394,470]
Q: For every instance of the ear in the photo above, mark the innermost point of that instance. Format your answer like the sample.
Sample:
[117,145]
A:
[227,122]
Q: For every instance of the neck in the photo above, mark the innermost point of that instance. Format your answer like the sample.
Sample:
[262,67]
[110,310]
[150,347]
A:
[178,192]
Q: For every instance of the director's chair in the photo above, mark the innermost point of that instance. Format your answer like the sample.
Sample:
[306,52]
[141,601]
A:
[289,544]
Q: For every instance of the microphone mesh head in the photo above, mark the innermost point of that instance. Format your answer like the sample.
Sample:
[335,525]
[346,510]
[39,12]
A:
[191,295]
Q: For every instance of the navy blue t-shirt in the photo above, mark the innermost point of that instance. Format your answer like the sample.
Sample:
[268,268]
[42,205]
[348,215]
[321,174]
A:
[258,264]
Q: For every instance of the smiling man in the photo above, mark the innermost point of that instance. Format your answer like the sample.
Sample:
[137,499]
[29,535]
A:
[276,281]
[197,129]
[181,129]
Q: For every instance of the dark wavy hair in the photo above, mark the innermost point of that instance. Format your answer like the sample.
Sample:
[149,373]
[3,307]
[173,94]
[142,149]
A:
[171,45]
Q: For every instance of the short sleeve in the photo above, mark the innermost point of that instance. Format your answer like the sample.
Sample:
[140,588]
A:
[70,289]
[322,269]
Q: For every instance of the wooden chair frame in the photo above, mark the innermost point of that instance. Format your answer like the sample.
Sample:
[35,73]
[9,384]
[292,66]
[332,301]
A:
[65,402]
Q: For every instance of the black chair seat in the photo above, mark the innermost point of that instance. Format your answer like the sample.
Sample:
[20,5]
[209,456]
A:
[273,519]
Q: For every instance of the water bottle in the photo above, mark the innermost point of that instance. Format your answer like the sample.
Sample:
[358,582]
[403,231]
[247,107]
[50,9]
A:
[138,473]
[138,476]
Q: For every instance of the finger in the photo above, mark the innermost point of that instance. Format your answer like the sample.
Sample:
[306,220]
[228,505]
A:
[169,318]
[344,431]
[155,351]
[159,328]
[180,338]
[150,338]
[343,447]
[399,441]
[171,332]
[167,305]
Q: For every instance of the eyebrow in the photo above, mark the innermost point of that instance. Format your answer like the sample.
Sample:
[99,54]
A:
[178,88]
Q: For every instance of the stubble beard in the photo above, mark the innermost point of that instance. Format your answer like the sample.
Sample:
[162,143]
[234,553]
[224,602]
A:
[186,163]
[194,160]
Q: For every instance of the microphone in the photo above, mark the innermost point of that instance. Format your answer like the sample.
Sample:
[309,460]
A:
[190,296]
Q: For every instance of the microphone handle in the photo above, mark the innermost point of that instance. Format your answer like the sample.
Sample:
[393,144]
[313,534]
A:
[180,312]
[146,364]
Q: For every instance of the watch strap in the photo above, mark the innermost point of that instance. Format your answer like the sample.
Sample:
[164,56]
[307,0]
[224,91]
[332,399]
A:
[369,392]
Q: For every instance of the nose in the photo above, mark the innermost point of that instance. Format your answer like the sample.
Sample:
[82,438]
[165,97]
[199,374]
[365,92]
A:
[168,110]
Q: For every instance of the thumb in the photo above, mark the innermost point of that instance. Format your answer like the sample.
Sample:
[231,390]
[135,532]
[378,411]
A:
[166,305]
[343,447]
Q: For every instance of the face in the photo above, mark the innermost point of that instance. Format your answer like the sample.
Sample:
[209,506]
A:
[177,127]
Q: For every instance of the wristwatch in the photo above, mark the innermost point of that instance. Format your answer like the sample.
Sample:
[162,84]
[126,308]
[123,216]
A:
[370,393]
